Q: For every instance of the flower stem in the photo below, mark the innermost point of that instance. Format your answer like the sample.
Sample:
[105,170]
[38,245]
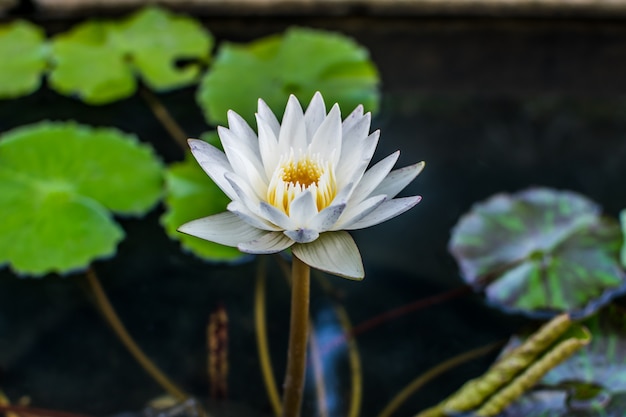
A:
[118,327]
[298,329]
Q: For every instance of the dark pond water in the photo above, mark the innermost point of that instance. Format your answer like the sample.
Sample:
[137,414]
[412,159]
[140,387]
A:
[490,105]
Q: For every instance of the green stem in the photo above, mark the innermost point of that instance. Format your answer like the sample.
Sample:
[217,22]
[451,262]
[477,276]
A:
[298,329]
[120,330]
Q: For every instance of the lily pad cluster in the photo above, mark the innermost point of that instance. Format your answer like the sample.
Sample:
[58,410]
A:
[98,61]
[60,184]
[300,62]
[540,252]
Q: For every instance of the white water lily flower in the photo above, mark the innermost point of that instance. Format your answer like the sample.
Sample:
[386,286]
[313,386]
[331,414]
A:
[301,184]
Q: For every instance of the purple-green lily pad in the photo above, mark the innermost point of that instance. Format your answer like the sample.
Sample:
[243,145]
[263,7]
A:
[540,252]
[190,194]
[300,62]
[622,218]
[59,186]
[97,60]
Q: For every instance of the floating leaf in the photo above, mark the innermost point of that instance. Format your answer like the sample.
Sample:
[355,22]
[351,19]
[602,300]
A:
[97,60]
[300,62]
[590,383]
[191,194]
[58,184]
[540,251]
[23,53]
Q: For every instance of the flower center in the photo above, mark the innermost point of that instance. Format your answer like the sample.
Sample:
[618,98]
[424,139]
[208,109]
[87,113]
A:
[293,176]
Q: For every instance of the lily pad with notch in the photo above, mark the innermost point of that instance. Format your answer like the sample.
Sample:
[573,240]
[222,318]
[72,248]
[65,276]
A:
[97,60]
[60,184]
[540,252]
[300,62]
[191,194]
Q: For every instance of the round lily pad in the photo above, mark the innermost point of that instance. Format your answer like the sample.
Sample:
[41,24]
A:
[191,194]
[540,252]
[59,183]
[97,60]
[300,62]
[24,58]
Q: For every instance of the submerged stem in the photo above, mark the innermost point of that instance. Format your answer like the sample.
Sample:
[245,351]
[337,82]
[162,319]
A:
[118,327]
[298,329]
[165,118]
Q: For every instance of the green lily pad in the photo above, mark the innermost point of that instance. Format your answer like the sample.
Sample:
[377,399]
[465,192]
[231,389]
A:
[540,252]
[300,62]
[191,194]
[622,218]
[59,183]
[590,383]
[97,60]
[23,53]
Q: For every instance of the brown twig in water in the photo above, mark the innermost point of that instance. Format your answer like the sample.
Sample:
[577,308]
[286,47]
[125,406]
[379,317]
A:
[165,118]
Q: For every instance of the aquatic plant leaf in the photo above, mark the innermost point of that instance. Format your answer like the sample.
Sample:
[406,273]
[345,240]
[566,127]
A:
[155,40]
[191,194]
[23,53]
[590,383]
[300,62]
[87,65]
[540,251]
[59,183]
[97,60]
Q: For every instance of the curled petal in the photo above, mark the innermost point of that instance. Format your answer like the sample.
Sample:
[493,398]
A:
[270,242]
[333,252]
[223,228]
[214,163]
[387,210]
[397,180]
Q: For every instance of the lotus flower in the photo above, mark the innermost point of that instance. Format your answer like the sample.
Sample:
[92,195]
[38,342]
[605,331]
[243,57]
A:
[301,185]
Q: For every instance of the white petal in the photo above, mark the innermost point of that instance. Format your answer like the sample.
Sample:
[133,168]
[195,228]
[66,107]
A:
[314,115]
[302,235]
[355,213]
[252,218]
[292,130]
[398,179]
[268,116]
[223,228]
[242,130]
[355,129]
[276,216]
[214,163]
[326,219]
[372,178]
[333,252]
[302,209]
[245,162]
[268,146]
[327,139]
[353,119]
[387,210]
[355,161]
[244,192]
[271,242]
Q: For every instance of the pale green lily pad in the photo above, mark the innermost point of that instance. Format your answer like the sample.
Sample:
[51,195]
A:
[59,183]
[622,217]
[300,62]
[23,57]
[590,383]
[97,60]
[190,195]
[540,252]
